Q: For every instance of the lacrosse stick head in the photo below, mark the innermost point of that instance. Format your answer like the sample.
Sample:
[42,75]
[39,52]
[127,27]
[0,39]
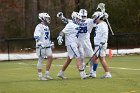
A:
[59,14]
[101,6]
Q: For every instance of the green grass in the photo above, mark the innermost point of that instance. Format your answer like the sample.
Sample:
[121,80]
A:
[21,77]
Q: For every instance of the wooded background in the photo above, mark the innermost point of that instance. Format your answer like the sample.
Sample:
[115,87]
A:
[18,18]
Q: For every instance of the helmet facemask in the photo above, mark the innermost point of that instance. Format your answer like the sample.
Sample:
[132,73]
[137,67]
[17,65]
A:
[44,17]
[76,17]
[83,13]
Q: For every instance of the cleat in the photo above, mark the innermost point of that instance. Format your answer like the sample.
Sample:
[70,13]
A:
[93,75]
[42,78]
[61,75]
[106,76]
[48,77]
[83,75]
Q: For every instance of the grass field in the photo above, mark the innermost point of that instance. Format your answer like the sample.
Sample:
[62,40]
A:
[21,77]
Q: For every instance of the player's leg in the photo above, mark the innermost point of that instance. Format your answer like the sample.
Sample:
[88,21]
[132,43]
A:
[105,66]
[48,52]
[104,63]
[97,53]
[80,66]
[81,51]
[66,64]
[39,64]
[94,60]
[88,52]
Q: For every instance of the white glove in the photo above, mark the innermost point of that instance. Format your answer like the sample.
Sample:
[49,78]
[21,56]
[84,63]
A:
[52,44]
[60,40]
[101,44]
[60,15]
[40,45]
[106,15]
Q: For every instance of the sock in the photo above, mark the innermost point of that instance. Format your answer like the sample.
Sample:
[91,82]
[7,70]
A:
[61,71]
[40,74]
[107,73]
[95,67]
[91,67]
[47,72]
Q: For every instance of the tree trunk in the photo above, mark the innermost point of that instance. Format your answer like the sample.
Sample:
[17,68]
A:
[31,14]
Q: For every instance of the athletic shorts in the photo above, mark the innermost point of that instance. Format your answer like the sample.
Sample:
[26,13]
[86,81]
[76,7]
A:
[100,52]
[43,52]
[86,48]
[73,51]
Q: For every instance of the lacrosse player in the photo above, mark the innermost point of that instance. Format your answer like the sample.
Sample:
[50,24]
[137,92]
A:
[43,45]
[100,43]
[72,44]
[86,26]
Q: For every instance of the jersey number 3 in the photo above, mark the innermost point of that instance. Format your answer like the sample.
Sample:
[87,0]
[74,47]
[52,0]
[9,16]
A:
[46,35]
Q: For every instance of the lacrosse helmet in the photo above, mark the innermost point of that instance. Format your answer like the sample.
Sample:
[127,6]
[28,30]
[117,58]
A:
[83,12]
[76,17]
[97,15]
[44,17]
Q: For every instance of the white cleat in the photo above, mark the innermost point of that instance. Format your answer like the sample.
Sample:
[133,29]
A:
[61,75]
[42,78]
[83,75]
[93,75]
[106,76]
[48,77]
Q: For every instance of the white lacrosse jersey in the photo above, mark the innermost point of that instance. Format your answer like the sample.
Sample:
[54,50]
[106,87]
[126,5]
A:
[101,33]
[86,27]
[42,33]
[70,32]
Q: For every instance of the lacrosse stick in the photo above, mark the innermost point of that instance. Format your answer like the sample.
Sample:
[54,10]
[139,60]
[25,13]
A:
[101,6]
[61,16]
[93,55]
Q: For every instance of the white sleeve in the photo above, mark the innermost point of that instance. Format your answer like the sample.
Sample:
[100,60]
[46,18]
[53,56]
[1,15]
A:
[104,34]
[66,29]
[91,22]
[37,33]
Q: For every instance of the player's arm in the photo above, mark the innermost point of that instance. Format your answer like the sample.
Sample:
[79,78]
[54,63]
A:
[37,34]
[104,36]
[61,16]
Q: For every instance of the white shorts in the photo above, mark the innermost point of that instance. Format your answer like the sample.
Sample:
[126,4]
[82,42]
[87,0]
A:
[73,51]
[100,52]
[86,48]
[44,52]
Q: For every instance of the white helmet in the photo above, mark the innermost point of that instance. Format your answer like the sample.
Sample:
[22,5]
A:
[44,17]
[75,15]
[83,12]
[99,15]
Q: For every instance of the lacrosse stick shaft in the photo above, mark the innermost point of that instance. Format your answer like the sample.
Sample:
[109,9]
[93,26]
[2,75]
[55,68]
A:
[109,26]
[92,56]
[101,6]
